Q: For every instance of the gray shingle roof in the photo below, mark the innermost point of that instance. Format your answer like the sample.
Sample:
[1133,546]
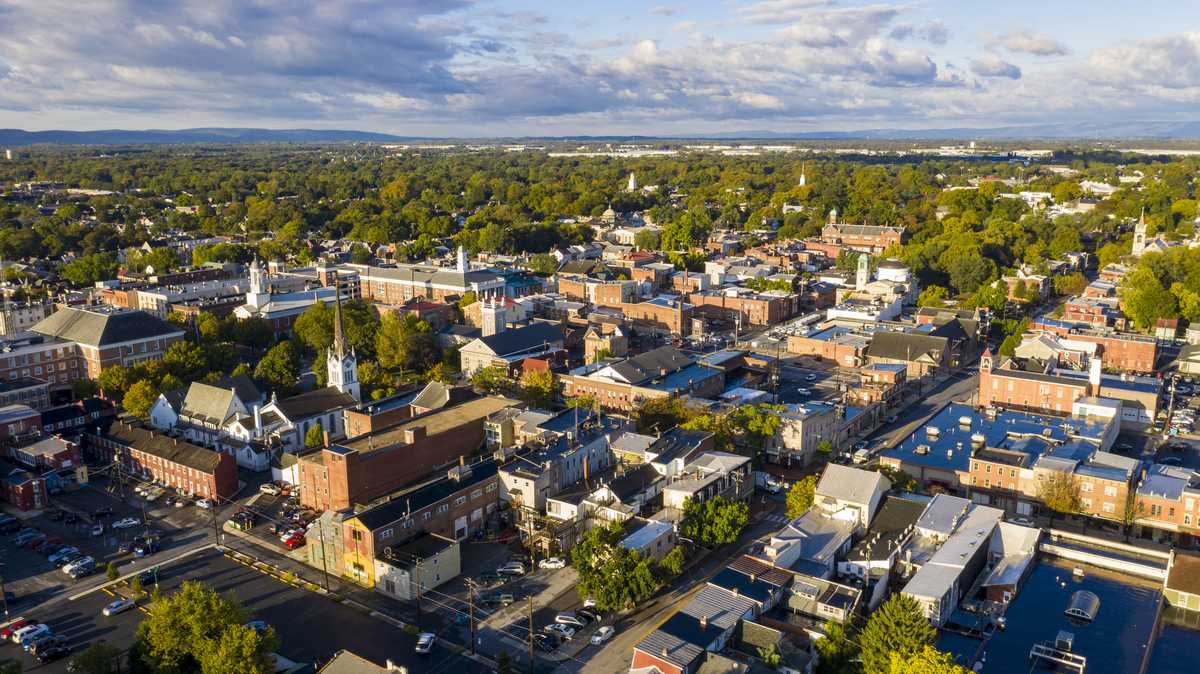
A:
[660,361]
[103,326]
[905,346]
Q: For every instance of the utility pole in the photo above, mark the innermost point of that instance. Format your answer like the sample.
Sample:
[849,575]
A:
[324,552]
[529,603]
[471,611]
[418,572]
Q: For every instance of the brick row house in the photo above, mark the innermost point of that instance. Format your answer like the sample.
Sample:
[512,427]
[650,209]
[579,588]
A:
[170,461]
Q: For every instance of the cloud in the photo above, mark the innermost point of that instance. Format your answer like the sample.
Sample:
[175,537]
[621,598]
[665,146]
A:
[1157,65]
[780,11]
[667,10]
[934,32]
[1027,42]
[990,65]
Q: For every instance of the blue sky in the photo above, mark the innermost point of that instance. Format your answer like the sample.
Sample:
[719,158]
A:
[530,67]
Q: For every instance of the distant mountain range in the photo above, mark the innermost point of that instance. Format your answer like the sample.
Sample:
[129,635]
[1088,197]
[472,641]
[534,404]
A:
[16,137]
[1057,131]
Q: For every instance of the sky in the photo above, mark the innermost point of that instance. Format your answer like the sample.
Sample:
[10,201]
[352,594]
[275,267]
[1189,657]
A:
[487,68]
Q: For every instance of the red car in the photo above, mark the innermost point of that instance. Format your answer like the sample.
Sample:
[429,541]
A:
[7,632]
[294,542]
[37,544]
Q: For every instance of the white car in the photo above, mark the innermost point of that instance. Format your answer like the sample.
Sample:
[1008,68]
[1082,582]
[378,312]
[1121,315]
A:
[810,377]
[603,634]
[553,563]
[590,602]
[126,523]
[118,606]
[204,503]
[425,641]
[97,529]
[271,489]
[1022,522]
[512,569]
[561,630]
[81,562]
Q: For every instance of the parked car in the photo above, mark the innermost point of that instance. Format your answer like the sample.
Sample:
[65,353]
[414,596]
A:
[425,641]
[490,578]
[590,602]
[206,504]
[564,631]
[269,488]
[498,598]
[259,626]
[571,619]
[545,641]
[101,512]
[64,555]
[46,641]
[603,634]
[70,518]
[27,634]
[590,614]
[145,546]
[1171,461]
[10,526]
[512,569]
[810,377]
[553,563]
[53,653]
[126,523]
[294,542]
[17,623]
[78,564]
[97,530]
[1022,521]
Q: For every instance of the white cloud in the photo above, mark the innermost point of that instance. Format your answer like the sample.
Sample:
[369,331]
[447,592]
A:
[990,65]
[759,100]
[1028,42]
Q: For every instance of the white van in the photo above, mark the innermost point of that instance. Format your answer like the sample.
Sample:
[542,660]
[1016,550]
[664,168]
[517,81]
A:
[861,456]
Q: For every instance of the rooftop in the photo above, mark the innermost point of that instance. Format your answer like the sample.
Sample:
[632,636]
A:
[949,446]
[434,423]
[402,504]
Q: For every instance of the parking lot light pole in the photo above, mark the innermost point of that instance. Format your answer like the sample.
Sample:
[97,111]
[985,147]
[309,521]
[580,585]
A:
[471,611]
[529,603]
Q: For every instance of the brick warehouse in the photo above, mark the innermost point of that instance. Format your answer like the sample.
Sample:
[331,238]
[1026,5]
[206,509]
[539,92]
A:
[371,466]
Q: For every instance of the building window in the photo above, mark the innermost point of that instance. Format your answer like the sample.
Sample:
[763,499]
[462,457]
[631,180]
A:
[460,500]
[476,494]
[443,507]
[1110,490]
[387,533]
[1085,487]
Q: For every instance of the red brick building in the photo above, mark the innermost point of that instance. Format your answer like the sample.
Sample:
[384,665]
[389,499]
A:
[1006,385]
[754,308]
[52,453]
[370,466]
[660,315]
[1121,351]
[23,489]
[148,455]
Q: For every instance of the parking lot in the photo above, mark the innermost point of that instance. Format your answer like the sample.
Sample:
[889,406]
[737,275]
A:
[311,628]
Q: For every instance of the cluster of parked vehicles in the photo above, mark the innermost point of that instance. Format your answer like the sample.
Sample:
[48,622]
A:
[36,639]
[67,557]
[568,624]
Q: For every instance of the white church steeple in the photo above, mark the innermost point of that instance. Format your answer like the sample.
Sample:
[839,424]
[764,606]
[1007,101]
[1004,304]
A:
[1139,235]
[341,364]
[257,296]
[632,186]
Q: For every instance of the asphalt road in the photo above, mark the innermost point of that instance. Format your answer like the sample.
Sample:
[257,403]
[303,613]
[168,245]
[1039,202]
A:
[311,627]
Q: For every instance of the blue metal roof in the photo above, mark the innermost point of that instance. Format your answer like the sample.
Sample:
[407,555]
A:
[1016,431]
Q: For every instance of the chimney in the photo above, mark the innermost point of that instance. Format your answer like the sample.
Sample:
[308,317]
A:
[665,653]
[703,622]
[462,460]
[257,418]
[412,435]
[325,438]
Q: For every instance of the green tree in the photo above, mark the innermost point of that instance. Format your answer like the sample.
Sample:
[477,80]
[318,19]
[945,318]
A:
[928,660]
[1059,491]
[1070,284]
[662,414]
[544,264]
[140,398]
[314,327]
[89,269]
[114,381]
[647,239]
[135,587]
[933,296]
[615,576]
[186,360]
[278,370]
[196,629]
[84,388]
[492,380]
[314,436]
[716,521]
[672,563]
[1145,300]
[770,656]
[900,479]
[406,342]
[801,495]
[837,653]
[98,658]
[896,628]
[539,388]
[111,572]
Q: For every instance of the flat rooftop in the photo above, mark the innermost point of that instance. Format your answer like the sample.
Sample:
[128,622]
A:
[434,423]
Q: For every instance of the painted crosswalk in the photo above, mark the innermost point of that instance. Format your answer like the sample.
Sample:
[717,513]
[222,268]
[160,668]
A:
[777,518]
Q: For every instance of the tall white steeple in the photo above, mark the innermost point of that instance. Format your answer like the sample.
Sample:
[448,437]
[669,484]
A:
[803,180]
[1139,235]
[632,186]
[257,296]
[864,272]
[463,265]
[341,364]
